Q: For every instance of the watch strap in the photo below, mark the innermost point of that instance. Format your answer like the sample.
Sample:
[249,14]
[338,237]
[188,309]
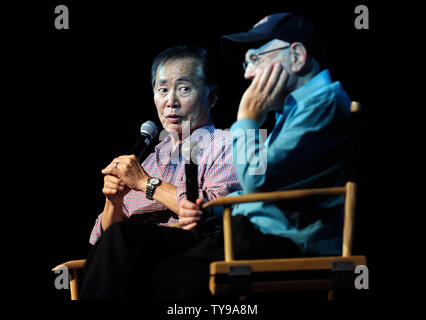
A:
[150,189]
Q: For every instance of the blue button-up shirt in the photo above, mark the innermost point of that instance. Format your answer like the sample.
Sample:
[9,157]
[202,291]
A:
[307,148]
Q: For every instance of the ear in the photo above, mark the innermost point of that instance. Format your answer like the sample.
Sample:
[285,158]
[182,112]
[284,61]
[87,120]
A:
[213,95]
[298,56]
[212,99]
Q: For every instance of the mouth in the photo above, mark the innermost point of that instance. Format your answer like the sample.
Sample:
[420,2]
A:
[174,118]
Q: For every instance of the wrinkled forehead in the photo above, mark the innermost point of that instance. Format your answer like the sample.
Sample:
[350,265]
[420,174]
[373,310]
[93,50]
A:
[187,68]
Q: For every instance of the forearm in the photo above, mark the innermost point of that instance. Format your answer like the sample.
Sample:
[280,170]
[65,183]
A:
[249,154]
[113,212]
[165,194]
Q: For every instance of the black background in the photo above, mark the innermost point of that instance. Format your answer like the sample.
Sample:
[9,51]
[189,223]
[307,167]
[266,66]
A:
[80,95]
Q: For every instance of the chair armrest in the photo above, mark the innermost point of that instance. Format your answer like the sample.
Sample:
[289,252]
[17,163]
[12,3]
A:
[73,264]
[275,196]
[285,264]
[263,196]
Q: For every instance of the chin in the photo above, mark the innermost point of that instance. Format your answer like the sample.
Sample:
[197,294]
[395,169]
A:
[174,128]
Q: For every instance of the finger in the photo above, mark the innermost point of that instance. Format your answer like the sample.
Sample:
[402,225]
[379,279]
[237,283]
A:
[127,162]
[190,226]
[189,213]
[127,158]
[264,76]
[113,186]
[115,180]
[111,172]
[109,167]
[280,84]
[274,77]
[188,208]
[255,82]
[186,221]
[186,204]
[109,191]
[107,170]
[113,162]
[114,170]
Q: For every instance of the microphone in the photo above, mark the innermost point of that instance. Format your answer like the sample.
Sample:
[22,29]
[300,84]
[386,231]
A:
[148,131]
[190,152]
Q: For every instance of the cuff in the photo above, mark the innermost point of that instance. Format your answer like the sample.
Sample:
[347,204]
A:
[246,123]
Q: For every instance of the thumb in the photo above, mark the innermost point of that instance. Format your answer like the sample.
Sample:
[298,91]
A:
[107,170]
[199,202]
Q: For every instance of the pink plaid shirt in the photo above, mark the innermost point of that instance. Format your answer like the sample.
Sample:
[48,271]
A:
[216,173]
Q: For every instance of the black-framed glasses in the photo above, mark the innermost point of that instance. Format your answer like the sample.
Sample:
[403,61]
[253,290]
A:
[255,59]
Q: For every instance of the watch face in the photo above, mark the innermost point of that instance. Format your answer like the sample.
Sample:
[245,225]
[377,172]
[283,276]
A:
[154,181]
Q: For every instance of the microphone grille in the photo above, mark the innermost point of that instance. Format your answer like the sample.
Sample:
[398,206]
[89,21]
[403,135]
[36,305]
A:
[149,128]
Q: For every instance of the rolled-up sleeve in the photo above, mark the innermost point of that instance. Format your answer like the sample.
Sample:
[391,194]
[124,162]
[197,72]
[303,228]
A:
[97,228]
[96,231]
[304,147]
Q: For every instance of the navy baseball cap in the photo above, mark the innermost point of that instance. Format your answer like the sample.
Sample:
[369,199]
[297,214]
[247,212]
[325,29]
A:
[286,26]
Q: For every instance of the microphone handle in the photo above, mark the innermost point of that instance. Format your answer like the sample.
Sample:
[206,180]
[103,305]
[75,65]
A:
[191,172]
[141,145]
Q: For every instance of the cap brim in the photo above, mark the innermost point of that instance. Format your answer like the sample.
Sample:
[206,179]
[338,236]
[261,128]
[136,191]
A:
[236,45]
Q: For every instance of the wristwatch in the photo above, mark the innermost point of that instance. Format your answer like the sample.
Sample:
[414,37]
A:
[151,185]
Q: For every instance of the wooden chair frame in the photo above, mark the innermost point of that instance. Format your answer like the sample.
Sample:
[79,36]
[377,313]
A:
[287,264]
[270,265]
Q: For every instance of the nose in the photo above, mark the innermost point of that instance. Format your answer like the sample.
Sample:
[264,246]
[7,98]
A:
[250,72]
[172,99]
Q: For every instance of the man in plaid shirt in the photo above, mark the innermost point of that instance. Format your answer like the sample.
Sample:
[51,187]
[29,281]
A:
[184,92]
[216,176]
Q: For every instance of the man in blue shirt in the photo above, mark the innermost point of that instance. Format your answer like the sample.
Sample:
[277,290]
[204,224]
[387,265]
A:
[308,145]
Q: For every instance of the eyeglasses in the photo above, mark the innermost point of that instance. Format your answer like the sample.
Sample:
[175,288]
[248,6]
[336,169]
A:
[255,59]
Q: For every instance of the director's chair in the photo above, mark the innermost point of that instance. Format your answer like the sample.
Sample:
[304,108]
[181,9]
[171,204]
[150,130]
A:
[238,277]
[240,273]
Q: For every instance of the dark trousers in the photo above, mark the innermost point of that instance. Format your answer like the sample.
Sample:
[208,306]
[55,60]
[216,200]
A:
[136,259]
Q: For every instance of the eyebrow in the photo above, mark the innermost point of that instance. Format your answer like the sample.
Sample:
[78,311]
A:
[249,53]
[183,79]
[180,79]
[265,47]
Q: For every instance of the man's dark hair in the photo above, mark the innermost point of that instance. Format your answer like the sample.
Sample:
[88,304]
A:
[190,51]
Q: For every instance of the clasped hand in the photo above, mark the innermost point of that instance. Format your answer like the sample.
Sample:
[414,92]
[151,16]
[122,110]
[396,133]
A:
[128,174]
[189,213]
[121,175]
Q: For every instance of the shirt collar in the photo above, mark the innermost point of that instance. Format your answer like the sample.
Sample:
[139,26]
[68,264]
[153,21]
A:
[196,135]
[321,79]
[199,133]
